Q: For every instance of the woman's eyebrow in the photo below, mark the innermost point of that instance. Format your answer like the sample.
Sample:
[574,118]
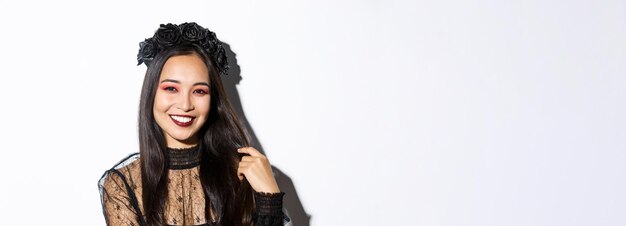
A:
[202,84]
[170,80]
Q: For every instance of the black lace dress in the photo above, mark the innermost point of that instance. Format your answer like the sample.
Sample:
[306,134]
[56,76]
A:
[120,193]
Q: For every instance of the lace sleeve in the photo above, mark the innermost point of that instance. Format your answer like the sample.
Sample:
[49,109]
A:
[269,209]
[119,203]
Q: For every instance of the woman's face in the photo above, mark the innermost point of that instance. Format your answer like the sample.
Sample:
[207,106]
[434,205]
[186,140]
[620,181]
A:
[182,100]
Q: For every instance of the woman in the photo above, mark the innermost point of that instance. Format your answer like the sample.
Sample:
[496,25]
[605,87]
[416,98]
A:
[194,166]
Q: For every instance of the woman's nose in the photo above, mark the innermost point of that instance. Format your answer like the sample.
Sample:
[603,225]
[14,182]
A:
[185,103]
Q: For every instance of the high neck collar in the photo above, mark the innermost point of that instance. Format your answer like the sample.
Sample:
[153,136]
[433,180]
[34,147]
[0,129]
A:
[183,158]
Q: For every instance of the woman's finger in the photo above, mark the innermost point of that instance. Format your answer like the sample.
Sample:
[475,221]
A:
[250,151]
[240,173]
[243,165]
[248,158]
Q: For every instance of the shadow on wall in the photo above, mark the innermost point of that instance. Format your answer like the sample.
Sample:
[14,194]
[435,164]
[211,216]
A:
[291,203]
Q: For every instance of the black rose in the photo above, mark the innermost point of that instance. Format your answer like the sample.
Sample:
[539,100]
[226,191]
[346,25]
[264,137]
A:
[221,60]
[167,35]
[147,51]
[210,42]
[192,32]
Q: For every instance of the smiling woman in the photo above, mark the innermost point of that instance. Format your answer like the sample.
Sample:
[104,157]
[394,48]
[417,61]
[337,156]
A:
[182,101]
[194,165]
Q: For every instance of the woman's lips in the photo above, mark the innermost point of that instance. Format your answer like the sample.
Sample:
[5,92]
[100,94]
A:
[182,120]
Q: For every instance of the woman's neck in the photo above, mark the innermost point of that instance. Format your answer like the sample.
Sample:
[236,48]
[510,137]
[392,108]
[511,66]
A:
[179,144]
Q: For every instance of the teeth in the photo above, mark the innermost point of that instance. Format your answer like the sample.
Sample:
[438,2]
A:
[181,118]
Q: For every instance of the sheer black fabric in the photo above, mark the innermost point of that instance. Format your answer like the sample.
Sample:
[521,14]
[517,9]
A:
[120,193]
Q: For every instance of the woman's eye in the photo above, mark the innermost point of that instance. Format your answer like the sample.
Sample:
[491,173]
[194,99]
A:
[200,91]
[169,88]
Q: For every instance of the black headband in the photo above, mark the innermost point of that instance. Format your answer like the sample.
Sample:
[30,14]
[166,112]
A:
[170,35]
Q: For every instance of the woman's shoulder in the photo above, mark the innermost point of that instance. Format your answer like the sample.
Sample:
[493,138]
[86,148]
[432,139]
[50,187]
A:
[129,161]
[125,170]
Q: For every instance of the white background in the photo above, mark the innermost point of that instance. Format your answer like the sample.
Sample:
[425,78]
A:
[380,112]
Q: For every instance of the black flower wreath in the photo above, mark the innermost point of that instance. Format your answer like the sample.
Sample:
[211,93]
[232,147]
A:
[169,35]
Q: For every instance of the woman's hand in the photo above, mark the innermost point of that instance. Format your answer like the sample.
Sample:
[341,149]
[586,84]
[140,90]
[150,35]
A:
[257,169]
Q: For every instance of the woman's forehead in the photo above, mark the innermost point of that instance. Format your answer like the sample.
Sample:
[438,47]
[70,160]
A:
[185,69]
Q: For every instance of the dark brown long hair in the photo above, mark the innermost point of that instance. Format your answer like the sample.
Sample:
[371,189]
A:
[220,136]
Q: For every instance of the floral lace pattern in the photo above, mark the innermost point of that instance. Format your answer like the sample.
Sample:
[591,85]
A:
[120,191]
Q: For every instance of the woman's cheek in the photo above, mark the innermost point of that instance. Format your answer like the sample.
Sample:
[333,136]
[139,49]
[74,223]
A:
[204,104]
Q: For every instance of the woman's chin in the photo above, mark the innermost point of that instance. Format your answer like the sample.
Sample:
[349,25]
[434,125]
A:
[184,139]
